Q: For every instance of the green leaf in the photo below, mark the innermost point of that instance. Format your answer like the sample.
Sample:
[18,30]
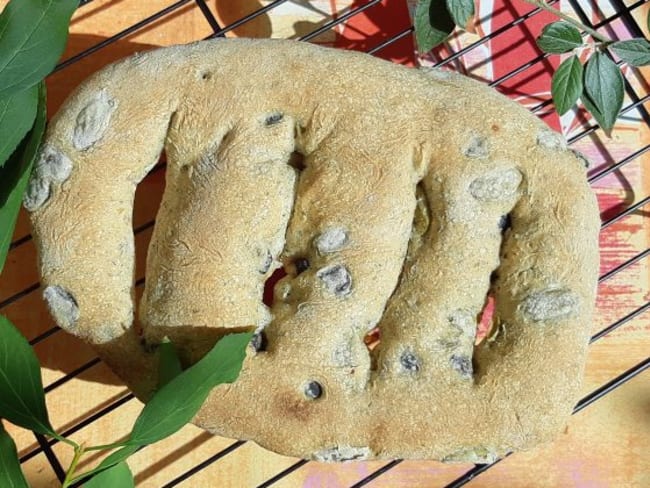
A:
[559,37]
[22,399]
[108,462]
[15,175]
[169,365]
[17,113]
[603,90]
[433,24]
[461,11]
[32,38]
[11,476]
[176,403]
[117,476]
[635,51]
[567,84]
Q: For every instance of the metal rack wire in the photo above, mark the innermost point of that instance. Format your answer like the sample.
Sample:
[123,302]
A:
[637,103]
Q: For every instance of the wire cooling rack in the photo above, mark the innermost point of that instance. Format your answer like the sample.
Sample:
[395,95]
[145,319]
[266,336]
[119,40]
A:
[613,165]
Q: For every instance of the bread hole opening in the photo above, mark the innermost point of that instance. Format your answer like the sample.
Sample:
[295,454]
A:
[269,285]
[484,326]
[148,196]
[372,338]
[421,222]
[292,267]
[298,264]
[297,161]
[486,316]
[421,226]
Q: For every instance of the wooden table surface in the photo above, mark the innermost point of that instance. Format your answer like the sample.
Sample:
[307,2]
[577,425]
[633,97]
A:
[605,445]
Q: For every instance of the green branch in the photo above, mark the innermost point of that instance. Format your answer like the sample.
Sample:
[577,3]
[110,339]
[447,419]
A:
[107,447]
[69,475]
[592,32]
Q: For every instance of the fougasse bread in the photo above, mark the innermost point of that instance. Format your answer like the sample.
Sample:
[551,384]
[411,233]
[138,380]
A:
[419,195]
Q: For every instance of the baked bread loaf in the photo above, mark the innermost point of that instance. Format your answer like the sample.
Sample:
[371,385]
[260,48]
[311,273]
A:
[419,195]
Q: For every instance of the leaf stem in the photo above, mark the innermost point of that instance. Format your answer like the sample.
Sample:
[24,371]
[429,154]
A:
[65,440]
[69,475]
[592,32]
[107,447]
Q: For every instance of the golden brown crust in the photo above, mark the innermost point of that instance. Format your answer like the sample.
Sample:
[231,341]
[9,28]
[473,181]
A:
[366,251]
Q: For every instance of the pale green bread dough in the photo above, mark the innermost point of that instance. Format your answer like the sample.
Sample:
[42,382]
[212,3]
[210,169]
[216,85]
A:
[229,114]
